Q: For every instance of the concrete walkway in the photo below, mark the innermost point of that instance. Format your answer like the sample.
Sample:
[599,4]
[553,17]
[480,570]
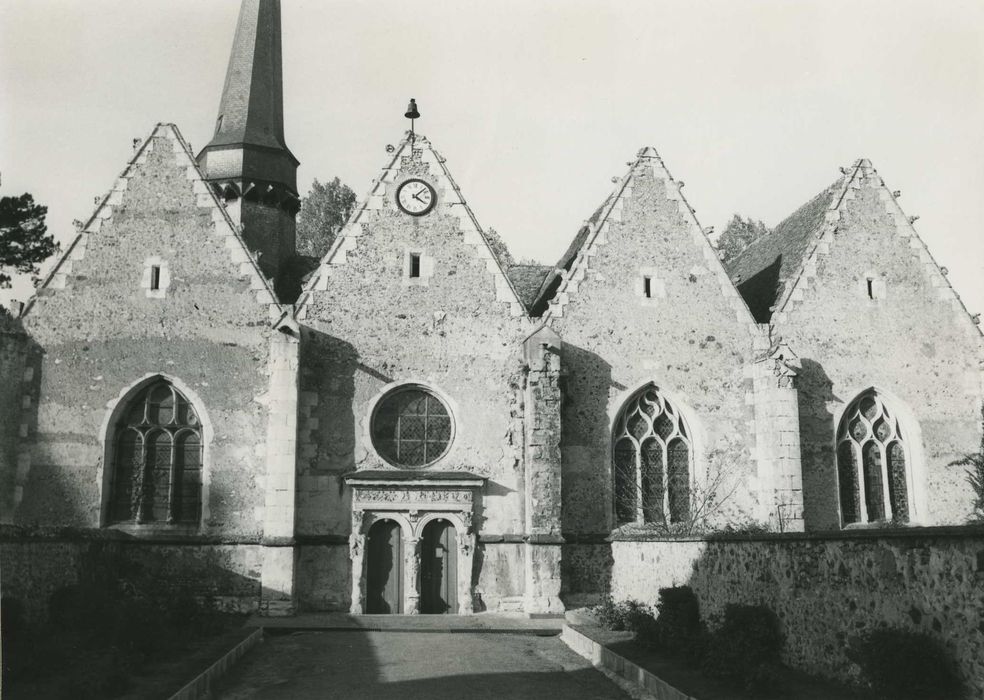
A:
[405,665]
[412,623]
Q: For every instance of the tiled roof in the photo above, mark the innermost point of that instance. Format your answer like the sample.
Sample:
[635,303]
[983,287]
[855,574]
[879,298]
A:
[572,250]
[765,268]
[528,280]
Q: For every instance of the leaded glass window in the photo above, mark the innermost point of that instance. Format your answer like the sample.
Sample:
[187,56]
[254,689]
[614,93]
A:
[871,463]
[411,427]
[157,465]
[651,462]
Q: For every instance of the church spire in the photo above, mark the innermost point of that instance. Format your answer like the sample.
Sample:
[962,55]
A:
[247,161]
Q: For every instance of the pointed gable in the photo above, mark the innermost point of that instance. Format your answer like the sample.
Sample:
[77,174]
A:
[575,265]
[418,159]
[173,154]
[815,227]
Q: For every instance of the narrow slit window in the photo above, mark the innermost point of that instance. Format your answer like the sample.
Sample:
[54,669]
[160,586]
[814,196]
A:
[871,288]
[414,265]
[155,277]
[647,287]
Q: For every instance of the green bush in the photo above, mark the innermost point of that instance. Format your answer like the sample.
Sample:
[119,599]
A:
[628,615]
[745,648]
[904,665]
[678,627]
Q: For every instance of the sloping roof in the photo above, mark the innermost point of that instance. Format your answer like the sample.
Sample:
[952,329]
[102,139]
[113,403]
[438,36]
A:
[348,238]
[567,259]
[527,280]
[252,109]
[765,270]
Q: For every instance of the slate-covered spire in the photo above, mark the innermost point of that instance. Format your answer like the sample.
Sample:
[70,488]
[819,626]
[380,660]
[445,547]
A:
[247,158]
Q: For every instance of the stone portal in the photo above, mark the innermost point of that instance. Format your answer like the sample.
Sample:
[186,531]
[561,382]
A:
[432,513]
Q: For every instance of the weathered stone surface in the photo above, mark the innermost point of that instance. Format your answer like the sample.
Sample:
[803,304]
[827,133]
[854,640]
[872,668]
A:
[913,341]
[34,566]
[693,343]
[826,589]
[101,334]
[451,332]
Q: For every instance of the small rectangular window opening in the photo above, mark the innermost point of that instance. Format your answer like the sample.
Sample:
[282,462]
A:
[871,288]
[647,287]
[155,277]
[414,265]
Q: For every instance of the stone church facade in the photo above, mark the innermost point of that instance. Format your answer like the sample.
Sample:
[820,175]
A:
[409,426]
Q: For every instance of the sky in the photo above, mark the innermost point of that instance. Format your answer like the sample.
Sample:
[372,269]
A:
[536,104]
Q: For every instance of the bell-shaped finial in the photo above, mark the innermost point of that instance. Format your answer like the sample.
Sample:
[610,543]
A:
[412,112]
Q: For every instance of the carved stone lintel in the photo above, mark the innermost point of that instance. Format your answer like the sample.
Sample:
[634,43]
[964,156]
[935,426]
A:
[396,495]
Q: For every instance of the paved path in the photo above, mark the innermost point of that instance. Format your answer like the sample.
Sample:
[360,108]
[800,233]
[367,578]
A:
[409,665]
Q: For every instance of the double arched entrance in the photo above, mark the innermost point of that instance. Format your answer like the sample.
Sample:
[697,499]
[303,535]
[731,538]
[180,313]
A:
[412,545]
[438,562]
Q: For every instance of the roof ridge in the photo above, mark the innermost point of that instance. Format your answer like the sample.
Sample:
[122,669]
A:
[375,199]
[114,197]
[817,235]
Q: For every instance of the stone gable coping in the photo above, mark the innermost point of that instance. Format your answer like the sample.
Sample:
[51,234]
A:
[647,157]
[862,172]
[205,198]
[450,196]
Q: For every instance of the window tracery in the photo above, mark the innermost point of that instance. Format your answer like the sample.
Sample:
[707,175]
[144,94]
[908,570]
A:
[157,464]
[871,463]
[411,427]
[651,462]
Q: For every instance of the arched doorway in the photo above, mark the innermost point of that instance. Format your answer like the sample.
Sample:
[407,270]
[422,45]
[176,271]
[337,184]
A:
[384,569]
[439,568]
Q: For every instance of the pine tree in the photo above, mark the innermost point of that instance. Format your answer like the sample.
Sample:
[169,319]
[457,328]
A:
[24,240]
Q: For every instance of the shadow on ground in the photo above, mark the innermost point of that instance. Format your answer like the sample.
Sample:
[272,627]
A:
[407,665]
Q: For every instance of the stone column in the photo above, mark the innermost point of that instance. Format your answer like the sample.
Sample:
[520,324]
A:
[357,555]
[411,558]
[777,439]
[277,595]
[543,473]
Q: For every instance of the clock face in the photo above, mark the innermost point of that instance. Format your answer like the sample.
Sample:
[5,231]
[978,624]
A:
[416,197]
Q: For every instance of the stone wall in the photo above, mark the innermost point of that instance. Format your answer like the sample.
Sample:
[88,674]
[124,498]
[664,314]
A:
[913,341]
[324,577]
[368,327]
[100,330]
[693,337]
[34,564]
[826,588]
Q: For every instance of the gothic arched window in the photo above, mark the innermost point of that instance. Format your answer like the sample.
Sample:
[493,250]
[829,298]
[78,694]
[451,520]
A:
[411,427]
[157,463]
[871,463]
[651,461]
